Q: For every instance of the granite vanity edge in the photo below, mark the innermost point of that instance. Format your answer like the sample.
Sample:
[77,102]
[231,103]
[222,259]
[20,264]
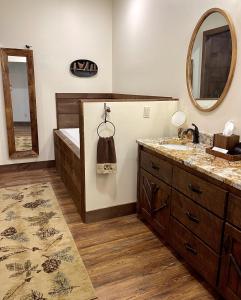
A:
[194,167]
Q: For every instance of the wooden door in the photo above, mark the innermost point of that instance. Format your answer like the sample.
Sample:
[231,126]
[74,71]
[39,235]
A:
[230,276]
[216,61]
[155,201]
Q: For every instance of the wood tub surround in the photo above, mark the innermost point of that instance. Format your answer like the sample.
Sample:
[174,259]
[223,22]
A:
[197,214]
[70,160]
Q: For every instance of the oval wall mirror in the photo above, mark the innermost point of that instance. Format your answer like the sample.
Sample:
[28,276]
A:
[211,59]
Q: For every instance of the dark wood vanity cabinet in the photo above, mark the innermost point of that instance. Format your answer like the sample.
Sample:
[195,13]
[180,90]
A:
[230,275]
[155,196]
[200,219]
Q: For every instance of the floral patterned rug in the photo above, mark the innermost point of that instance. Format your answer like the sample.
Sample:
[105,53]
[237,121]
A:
[38,257]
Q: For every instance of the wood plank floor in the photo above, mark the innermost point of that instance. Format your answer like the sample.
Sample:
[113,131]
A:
[125,260]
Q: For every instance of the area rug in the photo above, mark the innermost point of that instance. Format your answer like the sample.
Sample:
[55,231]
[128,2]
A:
[38,257]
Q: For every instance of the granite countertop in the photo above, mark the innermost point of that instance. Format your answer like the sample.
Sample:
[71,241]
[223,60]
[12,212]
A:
[196,158]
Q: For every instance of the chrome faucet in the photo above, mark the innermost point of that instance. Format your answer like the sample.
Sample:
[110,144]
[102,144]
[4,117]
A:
[195,133]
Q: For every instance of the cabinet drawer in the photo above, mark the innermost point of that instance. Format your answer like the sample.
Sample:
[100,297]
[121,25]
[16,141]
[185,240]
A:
[230,274]
[156,166]
[195,252]
[154,202]
[234,210]
[200,221]
[206,194]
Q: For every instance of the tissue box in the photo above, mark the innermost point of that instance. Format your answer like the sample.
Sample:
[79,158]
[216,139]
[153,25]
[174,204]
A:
[225,142]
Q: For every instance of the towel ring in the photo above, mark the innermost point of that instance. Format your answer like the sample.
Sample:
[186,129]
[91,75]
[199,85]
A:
[105,123]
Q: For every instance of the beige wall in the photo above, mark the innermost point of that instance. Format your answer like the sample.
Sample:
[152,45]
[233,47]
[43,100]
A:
[150,42]
[111,190]
[60,32]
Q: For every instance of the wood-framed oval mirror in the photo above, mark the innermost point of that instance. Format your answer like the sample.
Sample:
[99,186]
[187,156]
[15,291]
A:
[211,59]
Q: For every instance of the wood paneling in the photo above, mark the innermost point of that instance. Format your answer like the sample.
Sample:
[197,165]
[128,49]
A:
[67,104]
[67,156]
[124,259]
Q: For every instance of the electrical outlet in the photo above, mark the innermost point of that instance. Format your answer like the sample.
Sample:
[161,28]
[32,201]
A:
[147,112]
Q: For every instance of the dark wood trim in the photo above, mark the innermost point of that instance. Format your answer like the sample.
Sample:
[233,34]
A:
[82,161]
[141,97]
[67,142]
[83,95]
[13,154]
[67,105]
[111,97]
[110,212]
[27,166]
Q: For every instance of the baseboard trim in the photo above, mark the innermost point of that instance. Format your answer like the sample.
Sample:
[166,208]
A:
[27,166]
[110,212]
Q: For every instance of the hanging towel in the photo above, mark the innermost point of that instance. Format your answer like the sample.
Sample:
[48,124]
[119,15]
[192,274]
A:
[106,156]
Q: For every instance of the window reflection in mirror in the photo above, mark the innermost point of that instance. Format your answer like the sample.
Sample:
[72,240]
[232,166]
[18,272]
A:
[18,76]
[211,59]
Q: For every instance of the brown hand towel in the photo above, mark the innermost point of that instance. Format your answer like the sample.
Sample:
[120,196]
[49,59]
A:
[106,156]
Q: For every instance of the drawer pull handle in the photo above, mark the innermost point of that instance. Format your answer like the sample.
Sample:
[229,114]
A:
[189,248]
[194,189]
[154,211]
[192,217]
[155,167]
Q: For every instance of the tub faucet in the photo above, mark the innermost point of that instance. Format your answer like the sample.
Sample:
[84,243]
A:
[195,133]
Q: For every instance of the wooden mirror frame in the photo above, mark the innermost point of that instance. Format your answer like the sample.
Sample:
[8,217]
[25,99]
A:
[233,60]
[13,153]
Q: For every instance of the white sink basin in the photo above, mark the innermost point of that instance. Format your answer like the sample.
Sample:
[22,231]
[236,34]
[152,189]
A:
[176,147]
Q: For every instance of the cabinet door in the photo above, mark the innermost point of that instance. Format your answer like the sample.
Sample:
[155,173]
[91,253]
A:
[155,201]
[230,277]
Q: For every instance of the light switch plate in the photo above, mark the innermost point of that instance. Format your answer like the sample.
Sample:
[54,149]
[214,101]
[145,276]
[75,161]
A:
[147,112]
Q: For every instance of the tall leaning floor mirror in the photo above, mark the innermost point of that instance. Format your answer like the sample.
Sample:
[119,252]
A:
[20,102]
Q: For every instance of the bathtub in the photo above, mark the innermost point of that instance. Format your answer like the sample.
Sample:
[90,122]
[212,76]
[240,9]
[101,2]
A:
[72,134]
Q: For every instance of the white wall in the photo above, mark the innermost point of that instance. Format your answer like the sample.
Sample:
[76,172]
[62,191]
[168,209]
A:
[111,190]
[150,43]
[60,31]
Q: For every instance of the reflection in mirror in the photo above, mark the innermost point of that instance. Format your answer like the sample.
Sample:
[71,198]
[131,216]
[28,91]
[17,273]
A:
[18,76]
[20,102]
[211,59]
